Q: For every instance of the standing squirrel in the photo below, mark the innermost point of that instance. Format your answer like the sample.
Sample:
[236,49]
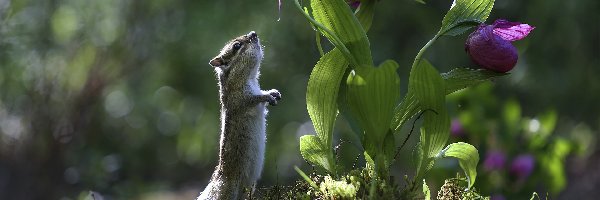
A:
[243,112]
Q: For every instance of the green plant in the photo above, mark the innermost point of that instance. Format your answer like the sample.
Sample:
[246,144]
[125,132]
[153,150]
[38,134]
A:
[345,80]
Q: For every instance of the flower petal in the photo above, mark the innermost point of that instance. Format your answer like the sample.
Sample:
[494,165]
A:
[511,31]
[490,51]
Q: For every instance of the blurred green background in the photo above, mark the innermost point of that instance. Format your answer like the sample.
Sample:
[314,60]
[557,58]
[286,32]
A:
[117,96]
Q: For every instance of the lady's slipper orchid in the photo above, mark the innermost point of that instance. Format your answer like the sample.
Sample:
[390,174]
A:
[490,45]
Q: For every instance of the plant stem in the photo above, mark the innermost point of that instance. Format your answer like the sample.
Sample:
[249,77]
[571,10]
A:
[420,54]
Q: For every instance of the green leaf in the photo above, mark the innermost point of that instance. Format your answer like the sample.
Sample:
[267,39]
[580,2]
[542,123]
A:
[324,85]
[455,80]
[417,156]
[421,162]
[365,13]
[512,116]
[333,38]
[389,148]
[316,152]
[465,14]
[337,16]
[335,20]
[548,122]
[461,78]
[426,191]
[321,96]
[371,94]
[428,87]
[344,108]
[467,156]
[408,108]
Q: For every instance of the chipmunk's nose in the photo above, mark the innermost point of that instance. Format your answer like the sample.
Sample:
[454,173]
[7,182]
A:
[253,36]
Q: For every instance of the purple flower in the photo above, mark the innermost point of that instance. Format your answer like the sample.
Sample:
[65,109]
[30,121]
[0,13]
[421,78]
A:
[494,160]
[497,197]
[456,128]
[490,45]
[353,3]
[522,166]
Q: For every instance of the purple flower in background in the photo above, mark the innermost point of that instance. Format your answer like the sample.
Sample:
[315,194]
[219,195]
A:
[456,128]
[494,160]
[522,166]
[353,3]
[490,45]
[497,197]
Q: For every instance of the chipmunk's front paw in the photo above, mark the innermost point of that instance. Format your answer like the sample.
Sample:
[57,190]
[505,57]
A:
[275,93]
[273,96]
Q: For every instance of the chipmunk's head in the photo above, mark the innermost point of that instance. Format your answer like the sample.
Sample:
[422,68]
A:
[245,50]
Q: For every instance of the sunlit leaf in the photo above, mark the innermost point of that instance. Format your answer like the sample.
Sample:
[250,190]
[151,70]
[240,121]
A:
[331,36]
[337,16]
[465,14]
[324,84]
[554,177]
[426,191]
[548,121]
[321,96]
[335,20]
[316,152]
[467,156]
[371,95]
[428,86]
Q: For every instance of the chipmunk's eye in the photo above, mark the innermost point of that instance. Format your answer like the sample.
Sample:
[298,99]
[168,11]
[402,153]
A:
[237,46]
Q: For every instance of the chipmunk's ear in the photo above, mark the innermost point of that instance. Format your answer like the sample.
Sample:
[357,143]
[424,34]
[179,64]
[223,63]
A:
[216,62]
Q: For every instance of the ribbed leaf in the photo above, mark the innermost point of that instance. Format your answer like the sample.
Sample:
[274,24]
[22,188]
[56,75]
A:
[325,81]
[428,88]
[331,36]
[337,16]
[465,14]
[316,152]
[467,156]
[371,96]
[365,13]
[389,148]
[461,78]
[457,79]
[321,96]
[426,191]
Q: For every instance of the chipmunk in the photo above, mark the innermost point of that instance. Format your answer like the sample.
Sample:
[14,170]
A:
[243,123]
